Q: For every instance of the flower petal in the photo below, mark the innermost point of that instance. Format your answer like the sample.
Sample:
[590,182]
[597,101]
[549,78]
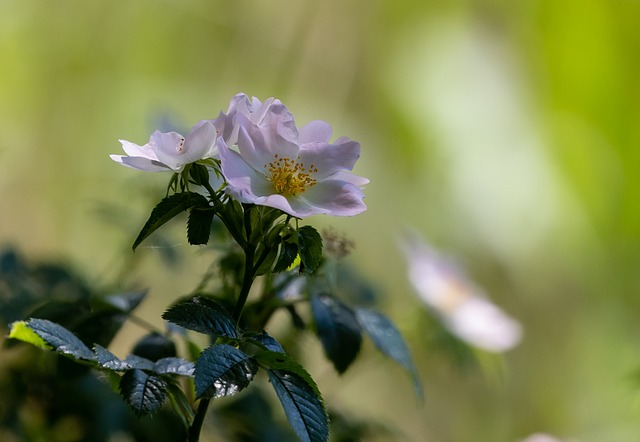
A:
[336,198]
[244,182]
[133,150]
[330,158]
[200,143]
[169,147]
[140,163]
[316,131]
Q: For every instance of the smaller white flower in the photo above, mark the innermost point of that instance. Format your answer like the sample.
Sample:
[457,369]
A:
[462,307]
[170,151]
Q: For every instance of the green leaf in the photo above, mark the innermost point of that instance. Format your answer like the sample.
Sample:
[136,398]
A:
[280,361]
[109,361]
[265,260]
[338,330]
[389,341]
[144,392]
[310,244]
[154,346]
[21,331]
[180,403]
[167,209]
[302,405]
[56,336]
[223,370]
[174,366]
[202,314]
[199,224]
[288,254]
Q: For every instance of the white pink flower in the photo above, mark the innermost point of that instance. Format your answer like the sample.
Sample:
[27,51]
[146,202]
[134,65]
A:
[462,306]
[297,171]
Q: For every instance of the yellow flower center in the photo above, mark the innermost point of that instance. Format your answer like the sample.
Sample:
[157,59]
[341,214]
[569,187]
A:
[290,177]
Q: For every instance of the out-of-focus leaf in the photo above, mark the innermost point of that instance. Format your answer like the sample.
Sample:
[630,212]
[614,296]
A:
[223,370]
[389,341]
[302,405]
[125,302]
[154,346]
[144,392]
[21,331]
[56,336]
[338,330]
[202,314]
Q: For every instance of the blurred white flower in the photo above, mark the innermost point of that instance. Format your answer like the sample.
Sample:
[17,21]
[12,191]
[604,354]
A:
[541,437]
[462,306]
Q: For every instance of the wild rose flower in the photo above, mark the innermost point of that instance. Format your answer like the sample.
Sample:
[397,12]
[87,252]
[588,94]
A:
[462,306]
[298,172]
[170,151]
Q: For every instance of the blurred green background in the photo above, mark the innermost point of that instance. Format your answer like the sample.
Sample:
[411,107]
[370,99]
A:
[505,132]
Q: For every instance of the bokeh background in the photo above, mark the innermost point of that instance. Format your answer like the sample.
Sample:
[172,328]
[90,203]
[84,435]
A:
[505,132]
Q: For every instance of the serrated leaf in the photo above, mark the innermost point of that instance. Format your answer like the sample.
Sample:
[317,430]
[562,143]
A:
[276,360]
[144,392]
[338,330]
[302,405]
[167,209]
[199,224]
[21,331]
[108,360]
[202,314]
[139,363]
[174,366]
[389,341]
[223,370]
[310,244]
[60,339]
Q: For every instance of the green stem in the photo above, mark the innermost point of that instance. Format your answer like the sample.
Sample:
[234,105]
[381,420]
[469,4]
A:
[198,420]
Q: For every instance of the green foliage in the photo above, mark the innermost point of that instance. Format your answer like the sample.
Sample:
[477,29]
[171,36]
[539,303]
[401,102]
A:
[338,330]
[167,209]
[202,314]
[144,392]
[223,370]
[310,246]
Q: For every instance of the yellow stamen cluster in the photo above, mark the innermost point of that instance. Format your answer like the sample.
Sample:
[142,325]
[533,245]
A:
[290,177]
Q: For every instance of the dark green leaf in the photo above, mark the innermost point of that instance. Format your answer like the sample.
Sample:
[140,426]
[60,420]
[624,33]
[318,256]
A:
[125,302]
[338,330]
[288,254]
[140,363]
[199,224]
[223,370]
[302,405]
[144,392]
[310,244]
[389,341]
[108,360]
[154,346]
[266,258]
[174,366]
[268,342]
[180,403]
[202,314]
[60,339]
[167,209]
